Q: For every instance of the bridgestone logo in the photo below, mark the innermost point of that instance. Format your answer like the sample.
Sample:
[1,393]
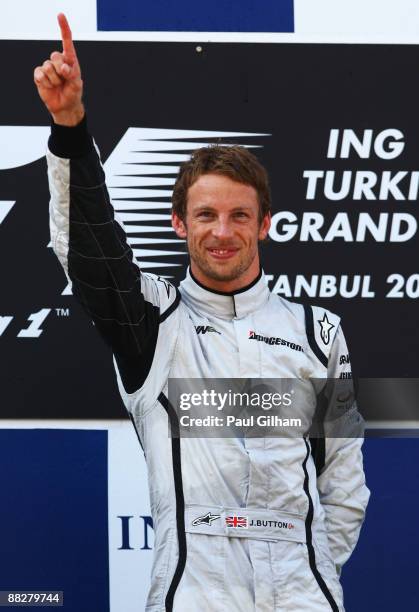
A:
[272,340]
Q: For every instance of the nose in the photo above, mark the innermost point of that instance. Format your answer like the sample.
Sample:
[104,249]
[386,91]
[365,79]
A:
[222,229]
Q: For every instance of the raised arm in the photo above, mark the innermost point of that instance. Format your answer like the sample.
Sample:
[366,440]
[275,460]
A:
[126,306]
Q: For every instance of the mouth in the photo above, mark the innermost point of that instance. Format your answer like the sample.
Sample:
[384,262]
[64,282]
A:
[222,253]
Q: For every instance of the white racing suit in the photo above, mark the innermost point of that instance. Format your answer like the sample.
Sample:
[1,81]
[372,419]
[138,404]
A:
[202,489]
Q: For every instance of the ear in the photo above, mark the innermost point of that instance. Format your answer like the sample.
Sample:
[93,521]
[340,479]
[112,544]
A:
[264,226]
[179,226]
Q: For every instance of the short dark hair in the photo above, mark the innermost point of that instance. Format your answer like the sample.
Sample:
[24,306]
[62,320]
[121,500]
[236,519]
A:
[234,161]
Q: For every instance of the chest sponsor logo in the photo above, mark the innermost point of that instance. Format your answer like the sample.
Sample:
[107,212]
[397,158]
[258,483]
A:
[325,328]
[239,522]
[273,340]
[206,519]
[343,359]
[203,329]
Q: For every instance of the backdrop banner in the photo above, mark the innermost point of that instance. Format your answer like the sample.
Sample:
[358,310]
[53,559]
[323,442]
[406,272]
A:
[336,126]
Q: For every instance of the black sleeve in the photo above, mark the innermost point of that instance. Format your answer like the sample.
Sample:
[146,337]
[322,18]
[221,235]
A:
[91,244]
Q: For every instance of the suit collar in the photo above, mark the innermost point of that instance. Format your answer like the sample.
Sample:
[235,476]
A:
[234,305]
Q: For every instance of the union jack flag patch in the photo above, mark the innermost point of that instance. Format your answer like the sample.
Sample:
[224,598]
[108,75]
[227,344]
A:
[237,521]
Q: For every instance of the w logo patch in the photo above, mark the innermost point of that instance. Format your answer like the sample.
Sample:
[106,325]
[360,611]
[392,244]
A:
[203,329]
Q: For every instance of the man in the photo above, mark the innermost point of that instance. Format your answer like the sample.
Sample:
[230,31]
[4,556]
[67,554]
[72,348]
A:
[244,523]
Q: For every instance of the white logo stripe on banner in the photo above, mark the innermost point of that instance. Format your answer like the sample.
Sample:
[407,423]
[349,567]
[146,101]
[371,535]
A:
[5,207]
[14,154]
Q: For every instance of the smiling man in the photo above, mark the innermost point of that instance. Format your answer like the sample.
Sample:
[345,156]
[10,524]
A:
[241,523]
[221,206]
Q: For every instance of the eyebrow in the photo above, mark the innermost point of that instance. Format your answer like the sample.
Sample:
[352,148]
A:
[200,207]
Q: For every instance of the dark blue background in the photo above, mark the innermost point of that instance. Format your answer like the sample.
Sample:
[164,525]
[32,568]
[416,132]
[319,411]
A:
[54,515]
[382,574]
[189,15]
[54,520]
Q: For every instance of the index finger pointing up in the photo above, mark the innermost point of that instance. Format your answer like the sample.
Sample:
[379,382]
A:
[66,37]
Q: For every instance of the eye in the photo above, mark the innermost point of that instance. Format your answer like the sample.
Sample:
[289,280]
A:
[205,214]
[240,214]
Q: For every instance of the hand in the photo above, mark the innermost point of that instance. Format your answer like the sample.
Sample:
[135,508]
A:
[59,81]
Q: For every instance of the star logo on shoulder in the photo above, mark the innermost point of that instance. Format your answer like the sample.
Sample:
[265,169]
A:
[325,328]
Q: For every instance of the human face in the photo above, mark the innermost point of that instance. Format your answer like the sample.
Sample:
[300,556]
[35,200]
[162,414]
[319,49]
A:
[222,231]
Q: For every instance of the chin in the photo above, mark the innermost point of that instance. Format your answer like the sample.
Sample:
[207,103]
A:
[222,271]
[225,273]
[223,276]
